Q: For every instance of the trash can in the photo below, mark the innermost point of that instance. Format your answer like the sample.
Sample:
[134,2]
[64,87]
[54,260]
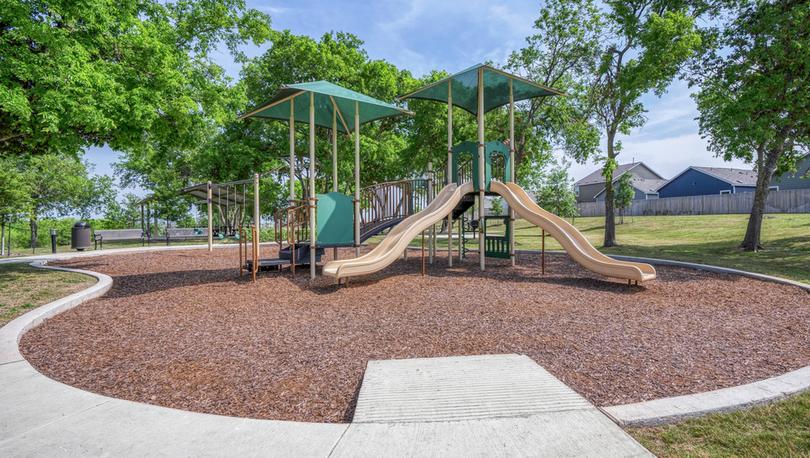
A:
[80,236]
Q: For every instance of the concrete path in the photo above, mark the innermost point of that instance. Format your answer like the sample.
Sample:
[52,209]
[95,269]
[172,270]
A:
[476,406]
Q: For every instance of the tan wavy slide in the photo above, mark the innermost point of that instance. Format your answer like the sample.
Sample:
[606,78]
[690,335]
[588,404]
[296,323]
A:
[397,240]
[572,241]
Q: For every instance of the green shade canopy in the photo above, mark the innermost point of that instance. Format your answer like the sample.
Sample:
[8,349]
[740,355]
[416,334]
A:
[496,89]
[328,96]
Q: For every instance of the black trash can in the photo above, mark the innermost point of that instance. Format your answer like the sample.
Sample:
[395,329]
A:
[80,236]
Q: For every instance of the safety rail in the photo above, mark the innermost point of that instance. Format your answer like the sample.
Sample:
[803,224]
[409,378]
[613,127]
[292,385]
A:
[382,204]
[292,223]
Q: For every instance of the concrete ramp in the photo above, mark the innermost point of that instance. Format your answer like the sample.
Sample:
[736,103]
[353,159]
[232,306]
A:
[502,405]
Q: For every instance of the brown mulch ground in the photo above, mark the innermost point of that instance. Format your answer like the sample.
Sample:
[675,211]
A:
[180,329]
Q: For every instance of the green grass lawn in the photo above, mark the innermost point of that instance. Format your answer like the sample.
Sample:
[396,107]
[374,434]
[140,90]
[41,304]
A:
[709,239]
[23,288]
[780,429]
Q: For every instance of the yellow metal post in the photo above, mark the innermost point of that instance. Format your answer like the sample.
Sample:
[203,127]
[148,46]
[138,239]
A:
[511,170]
[481,177]
[450,168]
[357,179]
[334,163]
[312,200]
[210,200]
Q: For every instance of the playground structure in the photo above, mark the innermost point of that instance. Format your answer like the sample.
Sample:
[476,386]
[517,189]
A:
[409,208]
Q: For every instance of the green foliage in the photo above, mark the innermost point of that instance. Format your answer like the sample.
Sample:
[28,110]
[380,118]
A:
[125,73]
[15,192]
[646,44]
[560,54]
[753,100]
[624,193]
[553,190]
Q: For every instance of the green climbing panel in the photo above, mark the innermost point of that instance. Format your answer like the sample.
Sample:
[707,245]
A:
[496,163]
[335,218]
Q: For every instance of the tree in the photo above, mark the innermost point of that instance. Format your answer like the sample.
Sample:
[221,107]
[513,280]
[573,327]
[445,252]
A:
[646,44]
[553,190]
[625,193]
[560,54]
[59,185]
[15,198]
[126,73]
[754,101]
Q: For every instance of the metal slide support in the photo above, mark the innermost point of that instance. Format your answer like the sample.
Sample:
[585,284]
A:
[357,179]
[511,171]
[481,176]
[210,201]
[312,199]
[450,168]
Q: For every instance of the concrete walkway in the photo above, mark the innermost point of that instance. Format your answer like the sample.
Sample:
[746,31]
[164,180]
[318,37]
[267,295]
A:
[476,406]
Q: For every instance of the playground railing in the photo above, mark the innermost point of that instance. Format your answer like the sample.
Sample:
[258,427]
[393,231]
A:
[383,203]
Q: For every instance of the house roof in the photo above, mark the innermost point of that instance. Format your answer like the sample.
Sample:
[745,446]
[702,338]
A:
[596,176]
[647,186]
[734,177]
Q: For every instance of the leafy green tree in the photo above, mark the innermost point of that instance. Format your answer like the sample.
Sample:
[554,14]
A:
[15,195]
[60,185]
[554,190]
[754,101]
[561,54]
[646,42]
[624,194]
[123,73]
[122,215]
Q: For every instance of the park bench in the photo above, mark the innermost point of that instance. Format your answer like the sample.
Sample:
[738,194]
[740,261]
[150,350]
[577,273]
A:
[182,234]
[118,235]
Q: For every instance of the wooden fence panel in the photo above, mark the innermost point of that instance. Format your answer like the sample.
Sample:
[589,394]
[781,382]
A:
[788,201]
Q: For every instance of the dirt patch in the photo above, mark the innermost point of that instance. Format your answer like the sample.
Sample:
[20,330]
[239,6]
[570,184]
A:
[181,329]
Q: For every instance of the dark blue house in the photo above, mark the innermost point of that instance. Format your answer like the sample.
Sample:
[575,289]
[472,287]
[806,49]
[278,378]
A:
[701,181]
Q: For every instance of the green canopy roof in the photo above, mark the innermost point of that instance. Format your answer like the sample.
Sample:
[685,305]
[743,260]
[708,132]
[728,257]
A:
[496,89]
[328,96]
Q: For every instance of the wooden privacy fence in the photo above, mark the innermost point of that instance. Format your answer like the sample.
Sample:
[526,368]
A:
[788,201]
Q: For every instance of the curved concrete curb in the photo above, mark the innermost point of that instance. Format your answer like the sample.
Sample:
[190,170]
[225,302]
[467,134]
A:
[676,408]
[11,333]
[112,251]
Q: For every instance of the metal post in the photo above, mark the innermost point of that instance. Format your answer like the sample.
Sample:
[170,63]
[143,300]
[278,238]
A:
[481,177]
[357,179]
[450,168]
[432,233]
[257,216]
[292,151]
[511,170]
[334,163]
[423,253]
[312,200]
[209,203]
[543,252]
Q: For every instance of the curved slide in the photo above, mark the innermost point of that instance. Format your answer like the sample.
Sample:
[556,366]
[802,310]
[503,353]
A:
[397,240]
[572,241]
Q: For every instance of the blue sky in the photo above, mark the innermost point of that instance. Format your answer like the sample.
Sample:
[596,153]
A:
[421,35]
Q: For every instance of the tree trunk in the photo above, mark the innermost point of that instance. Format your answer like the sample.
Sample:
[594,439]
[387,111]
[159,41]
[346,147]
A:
[753,232]
[33,223]
[3,236]
[610,216]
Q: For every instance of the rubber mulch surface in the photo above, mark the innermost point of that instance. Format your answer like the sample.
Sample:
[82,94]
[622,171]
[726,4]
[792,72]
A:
[181,329]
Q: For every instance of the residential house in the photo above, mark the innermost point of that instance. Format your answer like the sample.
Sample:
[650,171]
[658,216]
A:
[798,180]
[645,181]
[701,181]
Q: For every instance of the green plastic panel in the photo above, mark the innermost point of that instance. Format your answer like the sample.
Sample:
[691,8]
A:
[335,217]
[493,151]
